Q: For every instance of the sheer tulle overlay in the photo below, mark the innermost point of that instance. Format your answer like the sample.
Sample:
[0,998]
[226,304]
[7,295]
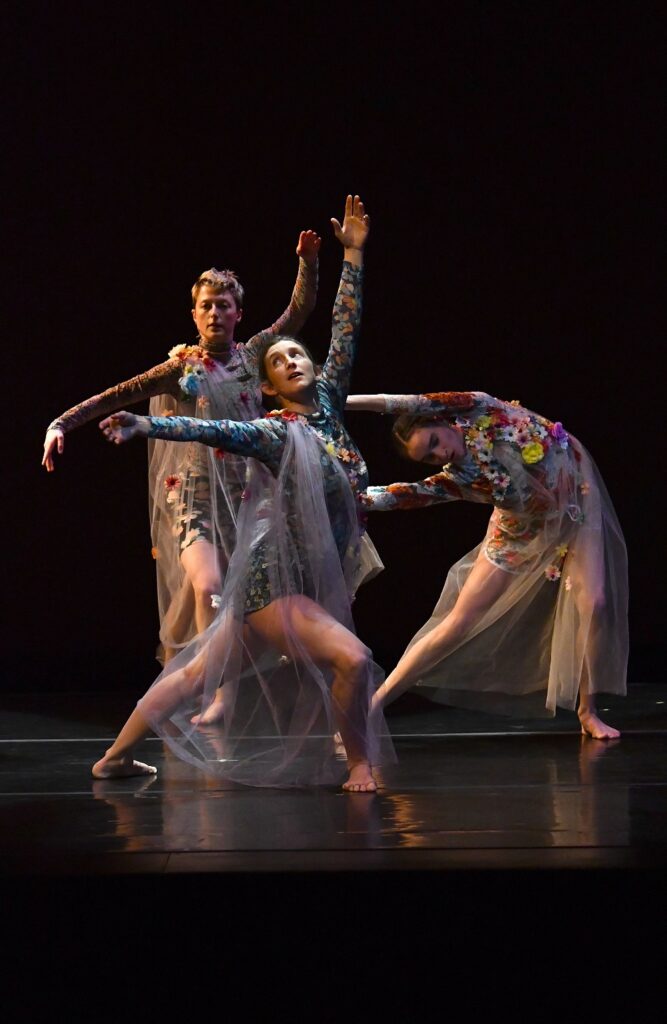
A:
[194,493]
[287,592]
[563,617]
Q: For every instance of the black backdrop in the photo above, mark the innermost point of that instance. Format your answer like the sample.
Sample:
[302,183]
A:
[508,156]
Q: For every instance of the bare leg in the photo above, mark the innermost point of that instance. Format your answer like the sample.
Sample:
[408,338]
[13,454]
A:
[484,586]
[118,761]
[330,643]
[201,563]
[166,695]
[591,725]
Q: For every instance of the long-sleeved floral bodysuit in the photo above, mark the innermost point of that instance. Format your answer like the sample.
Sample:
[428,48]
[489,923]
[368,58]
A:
[265,439]
[185,508]
[563,615]
[301,549]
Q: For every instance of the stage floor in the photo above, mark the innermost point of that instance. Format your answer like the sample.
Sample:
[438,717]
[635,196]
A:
[470,791]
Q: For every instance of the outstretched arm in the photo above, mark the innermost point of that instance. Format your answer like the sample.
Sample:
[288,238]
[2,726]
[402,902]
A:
[303,299]
[433,403]
[346,321]
[260,439]
[434,490]
[160,380]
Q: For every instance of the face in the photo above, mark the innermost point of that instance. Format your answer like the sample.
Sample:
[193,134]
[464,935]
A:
[436,443]
[216,315]
[289,370]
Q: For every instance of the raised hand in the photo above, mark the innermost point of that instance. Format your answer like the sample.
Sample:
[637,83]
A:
[54,441]
[308,246]
[123,426]
[356,224]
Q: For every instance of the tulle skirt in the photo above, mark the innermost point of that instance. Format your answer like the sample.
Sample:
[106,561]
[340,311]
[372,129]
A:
[299,555]
[561,620]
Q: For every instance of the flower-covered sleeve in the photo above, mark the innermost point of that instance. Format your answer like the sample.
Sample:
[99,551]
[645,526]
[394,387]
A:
[345,324]
[435,402]
[160,380]
[258,439]
[432,491]
[300,307]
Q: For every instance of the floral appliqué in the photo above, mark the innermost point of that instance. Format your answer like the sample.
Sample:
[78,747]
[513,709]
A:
[171,484]
[554,571]
[532,437]
[196,363]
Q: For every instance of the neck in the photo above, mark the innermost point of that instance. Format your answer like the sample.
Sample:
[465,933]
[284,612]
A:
[222,350]
[306,404]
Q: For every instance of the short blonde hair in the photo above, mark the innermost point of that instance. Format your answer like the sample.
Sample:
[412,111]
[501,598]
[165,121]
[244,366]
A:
[220,281]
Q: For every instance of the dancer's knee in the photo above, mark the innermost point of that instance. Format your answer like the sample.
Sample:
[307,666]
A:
[206,587]
[351,662]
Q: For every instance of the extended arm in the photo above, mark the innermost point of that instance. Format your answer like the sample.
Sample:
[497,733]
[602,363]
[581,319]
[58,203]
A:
[346,320]
[258,439]
[160,380]
[303,299]
[434,490]
[431,404]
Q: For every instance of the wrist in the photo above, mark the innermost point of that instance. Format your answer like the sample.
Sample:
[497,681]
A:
[353,255]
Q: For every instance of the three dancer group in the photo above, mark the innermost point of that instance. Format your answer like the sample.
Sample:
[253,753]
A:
[540,605]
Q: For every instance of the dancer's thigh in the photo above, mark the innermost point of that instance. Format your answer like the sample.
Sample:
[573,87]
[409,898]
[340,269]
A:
[485,584]
[201,563]
[323,637]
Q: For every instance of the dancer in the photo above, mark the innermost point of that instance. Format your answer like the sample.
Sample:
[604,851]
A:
[283,641]
[193,524]
[541,603]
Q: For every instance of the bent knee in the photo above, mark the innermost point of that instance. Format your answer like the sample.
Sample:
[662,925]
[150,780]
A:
[352,662]
[205,587]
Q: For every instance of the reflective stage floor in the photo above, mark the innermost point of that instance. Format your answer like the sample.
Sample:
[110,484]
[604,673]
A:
[469,791]
[499,854]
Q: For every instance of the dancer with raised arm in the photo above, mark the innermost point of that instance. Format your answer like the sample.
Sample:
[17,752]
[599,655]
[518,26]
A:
[283,641]
[193,524]
[541,604]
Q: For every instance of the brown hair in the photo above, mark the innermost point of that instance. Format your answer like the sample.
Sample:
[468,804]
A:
[220,281]
[405,426]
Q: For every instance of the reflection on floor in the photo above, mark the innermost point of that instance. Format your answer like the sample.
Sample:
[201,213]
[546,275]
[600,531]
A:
[469,791]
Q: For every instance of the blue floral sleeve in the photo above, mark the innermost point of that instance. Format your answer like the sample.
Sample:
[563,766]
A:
[257,439]
[432,491]
[345,325]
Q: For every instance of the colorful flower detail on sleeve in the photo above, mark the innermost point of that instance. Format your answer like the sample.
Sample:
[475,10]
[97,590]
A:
[552,572]
[196,362]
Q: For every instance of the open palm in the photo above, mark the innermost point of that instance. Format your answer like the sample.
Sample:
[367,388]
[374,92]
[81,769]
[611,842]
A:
[356,224]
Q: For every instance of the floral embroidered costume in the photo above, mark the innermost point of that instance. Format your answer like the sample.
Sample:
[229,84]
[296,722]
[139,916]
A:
[563,614]
[300,534]
[184,506]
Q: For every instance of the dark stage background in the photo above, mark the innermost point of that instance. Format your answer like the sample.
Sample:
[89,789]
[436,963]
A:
[508,157]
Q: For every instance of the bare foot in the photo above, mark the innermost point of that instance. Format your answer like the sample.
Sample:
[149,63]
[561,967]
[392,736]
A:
[214,713]
[360,779]
[592,726]
[120,768]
